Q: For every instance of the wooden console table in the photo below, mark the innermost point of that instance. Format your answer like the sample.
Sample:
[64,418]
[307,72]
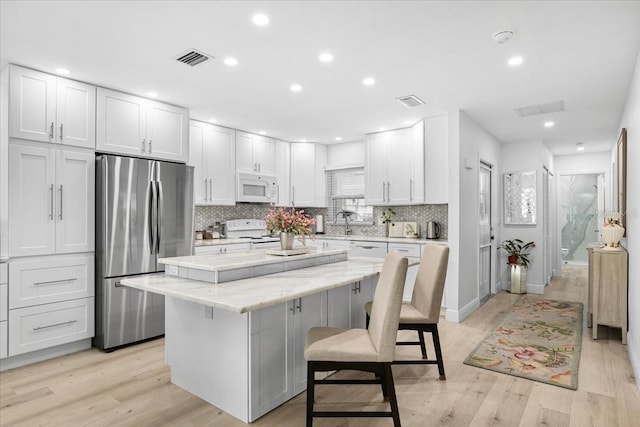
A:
[607,303]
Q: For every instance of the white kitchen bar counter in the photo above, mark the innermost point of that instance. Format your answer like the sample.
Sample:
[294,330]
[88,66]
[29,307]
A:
[239,345]
[253,293]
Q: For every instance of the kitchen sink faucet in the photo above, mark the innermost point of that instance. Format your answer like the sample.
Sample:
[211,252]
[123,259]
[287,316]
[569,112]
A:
[346,214]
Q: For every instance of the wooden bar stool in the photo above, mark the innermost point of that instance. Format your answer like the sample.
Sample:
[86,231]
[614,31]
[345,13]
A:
[367,350]
[423,313]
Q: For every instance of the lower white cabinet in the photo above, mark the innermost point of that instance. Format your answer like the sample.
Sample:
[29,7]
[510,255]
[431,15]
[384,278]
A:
[4,344]
[42,280]
[47,325]
[4,310]
[345,305]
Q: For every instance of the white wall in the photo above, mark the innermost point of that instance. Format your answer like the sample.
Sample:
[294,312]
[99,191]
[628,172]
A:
[345,154]
[526,156]
[468,145]
[631,120]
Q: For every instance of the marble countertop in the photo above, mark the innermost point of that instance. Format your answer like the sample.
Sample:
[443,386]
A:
[214,242]
[233,261]
[254,293]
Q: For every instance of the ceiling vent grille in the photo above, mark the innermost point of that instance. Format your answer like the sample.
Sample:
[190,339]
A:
[410,101]
[192,57]
[536,110]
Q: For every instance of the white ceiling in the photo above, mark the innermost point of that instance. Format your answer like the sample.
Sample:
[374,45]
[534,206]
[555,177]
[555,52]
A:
[582,52]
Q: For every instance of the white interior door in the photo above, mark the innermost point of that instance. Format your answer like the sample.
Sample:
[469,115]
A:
[484,230]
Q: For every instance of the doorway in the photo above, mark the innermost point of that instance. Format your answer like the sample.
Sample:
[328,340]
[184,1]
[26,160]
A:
[581,198]
[484,231]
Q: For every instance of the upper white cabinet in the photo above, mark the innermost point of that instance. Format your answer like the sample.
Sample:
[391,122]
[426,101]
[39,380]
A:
[394,167]
[308,184]
[46,108]
[255,154]
[437,160]
[212,152]
[283,170]
[128,124]
[51,201]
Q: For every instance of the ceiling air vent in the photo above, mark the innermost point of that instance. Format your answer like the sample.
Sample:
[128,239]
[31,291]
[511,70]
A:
[535,110]
[410,101]
[192,57]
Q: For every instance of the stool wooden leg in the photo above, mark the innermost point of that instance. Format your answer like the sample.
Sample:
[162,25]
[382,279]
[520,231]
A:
[310,392]
[436,345]
[388,379]
[423,346]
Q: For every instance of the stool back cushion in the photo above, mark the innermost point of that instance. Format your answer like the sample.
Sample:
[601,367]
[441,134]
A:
[387,300]
[430,280]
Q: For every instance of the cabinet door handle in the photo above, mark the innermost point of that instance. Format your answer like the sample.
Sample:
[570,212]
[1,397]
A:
[60,131]
[211,189]
[51,131]
[38,328]
[49,282]
[384,191]
[411,190]
[293,195]
[388,192]
[402,250]
[293,307]
[60,190]
[259,166]
[143,141]
[51,202]
[299,307]
[149,146]
[206,191]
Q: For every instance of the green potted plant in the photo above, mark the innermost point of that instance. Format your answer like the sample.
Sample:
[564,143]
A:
[518,251]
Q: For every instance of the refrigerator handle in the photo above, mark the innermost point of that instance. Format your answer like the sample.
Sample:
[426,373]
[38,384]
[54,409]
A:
[152,217]
[160,204]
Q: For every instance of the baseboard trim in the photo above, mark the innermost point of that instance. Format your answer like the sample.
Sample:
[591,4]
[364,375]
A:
[535,289]
[634,357]
[458,316]
[44,354]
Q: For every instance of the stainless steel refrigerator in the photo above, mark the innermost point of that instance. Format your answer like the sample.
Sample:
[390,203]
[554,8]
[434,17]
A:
[144,211]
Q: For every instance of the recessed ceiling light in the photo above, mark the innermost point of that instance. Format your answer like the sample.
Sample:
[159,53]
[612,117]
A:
[63,71]
[325,57]
[230,61]
[262,132]
[338,138]
[260,19]
[549,124]
[514,61]
[579,146]
[295,87]
[368,81]
[152,94]
[503,36]
[213,121]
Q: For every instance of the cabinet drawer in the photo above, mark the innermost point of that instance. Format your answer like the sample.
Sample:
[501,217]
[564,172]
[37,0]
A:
[4,345]
[41,280]
[4,277]
[47,325]
[406,249]
[4,304]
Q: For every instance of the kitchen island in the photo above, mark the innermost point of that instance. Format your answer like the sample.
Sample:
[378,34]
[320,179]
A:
[239,345]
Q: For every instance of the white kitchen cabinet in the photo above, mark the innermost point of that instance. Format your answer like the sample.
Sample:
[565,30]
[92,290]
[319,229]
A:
[345,305]
[51,201]
[308,183]
[46,108]
[436,179]
[255,154]
[283,171]
[307,312]
[223,248]
[43,280]
[212,154]
[41,326]
[131,125]
[4,310]
[394,167]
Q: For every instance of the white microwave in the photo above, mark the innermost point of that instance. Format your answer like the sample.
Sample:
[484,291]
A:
[257,188]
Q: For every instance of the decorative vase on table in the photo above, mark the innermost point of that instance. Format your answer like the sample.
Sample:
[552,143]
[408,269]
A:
[612,232]
[286,240]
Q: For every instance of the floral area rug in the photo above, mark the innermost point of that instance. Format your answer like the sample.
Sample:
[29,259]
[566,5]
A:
[539,339]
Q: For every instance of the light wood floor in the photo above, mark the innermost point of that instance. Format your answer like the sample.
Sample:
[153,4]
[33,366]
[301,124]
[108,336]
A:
[131,387]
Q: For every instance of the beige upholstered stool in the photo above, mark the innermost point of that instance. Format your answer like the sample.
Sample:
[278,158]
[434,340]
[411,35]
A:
[423,313]
[368,350]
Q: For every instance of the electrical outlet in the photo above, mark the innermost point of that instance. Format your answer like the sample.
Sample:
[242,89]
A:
[171,270]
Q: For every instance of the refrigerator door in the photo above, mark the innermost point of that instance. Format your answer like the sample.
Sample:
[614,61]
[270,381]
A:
[125,234]
[174,188]
[129,315]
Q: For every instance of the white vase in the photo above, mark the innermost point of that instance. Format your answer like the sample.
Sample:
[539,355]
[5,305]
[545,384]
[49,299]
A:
[611,234]
[286,241]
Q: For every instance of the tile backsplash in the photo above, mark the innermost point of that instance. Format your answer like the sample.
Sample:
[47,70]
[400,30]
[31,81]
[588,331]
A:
[208,215]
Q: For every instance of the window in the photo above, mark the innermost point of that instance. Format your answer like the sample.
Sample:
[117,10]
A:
[345,192]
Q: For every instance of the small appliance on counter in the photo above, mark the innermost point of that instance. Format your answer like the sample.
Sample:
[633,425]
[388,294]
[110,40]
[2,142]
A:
[319,225]
[433,230]
[253,230]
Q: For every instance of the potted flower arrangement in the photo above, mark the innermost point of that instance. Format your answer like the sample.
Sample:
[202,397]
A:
[518,251]
[289,223]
